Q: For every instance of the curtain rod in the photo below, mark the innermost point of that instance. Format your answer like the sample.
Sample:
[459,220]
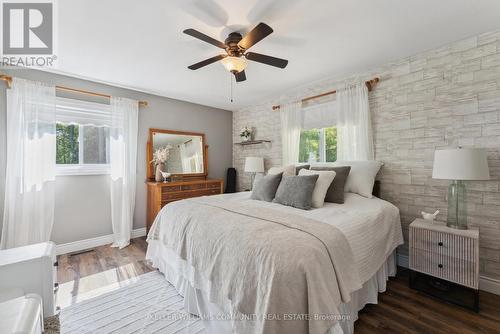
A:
[8,80]
[370,84]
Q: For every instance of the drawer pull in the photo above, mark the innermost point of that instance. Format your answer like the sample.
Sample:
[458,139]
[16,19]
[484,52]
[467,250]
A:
[440,265]
[56,264]
[440,243]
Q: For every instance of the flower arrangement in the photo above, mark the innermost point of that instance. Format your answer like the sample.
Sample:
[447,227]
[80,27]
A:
[160,156]
[246,133]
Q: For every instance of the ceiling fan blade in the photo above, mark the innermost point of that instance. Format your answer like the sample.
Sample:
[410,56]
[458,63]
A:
[205,38]
[268,60]
[206,62]
[261,31]
[240,76]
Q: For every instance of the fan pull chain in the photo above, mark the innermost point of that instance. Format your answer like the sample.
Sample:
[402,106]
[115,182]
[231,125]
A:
[231,79]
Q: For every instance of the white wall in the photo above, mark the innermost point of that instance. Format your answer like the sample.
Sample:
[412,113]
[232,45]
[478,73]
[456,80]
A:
[82,202]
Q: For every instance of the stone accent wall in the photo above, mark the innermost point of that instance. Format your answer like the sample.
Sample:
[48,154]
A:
[437,99]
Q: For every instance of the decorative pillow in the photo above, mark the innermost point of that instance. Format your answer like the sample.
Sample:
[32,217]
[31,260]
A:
[264,187]
[299,167]
[362,176]
[335,193]
[286,171]
[296,191]
[322,184]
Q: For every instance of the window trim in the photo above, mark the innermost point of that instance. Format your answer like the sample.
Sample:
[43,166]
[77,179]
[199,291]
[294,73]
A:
[82,169]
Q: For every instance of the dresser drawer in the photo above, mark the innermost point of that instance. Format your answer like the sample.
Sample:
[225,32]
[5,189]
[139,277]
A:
[193,186]
[166,189]
[443,243]
[174,196]
[446,267]
[213,185]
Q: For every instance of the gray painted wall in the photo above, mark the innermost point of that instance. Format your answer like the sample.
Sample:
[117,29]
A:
[82,202]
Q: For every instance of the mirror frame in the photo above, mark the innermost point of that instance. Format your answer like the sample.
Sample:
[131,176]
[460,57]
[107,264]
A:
[150,173]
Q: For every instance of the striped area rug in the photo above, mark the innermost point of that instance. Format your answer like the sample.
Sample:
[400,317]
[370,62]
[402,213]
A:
[148,305]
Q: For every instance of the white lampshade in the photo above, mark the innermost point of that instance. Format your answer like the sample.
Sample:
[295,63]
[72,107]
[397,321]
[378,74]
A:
[254,165]
[461,164]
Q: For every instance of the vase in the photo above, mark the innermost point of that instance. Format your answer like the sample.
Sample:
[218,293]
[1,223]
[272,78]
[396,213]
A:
[159,168]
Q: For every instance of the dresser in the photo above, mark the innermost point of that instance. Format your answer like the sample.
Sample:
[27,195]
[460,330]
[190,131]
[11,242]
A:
[444,262]
[160,194]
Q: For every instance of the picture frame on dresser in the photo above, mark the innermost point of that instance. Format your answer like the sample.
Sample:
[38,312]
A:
[444,262]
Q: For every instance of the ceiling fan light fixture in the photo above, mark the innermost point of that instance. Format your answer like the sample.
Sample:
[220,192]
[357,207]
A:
[234,64]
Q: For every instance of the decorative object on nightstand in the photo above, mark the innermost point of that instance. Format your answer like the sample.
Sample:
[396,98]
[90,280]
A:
[458,165]
[444,262]
[430,216]
[254,165]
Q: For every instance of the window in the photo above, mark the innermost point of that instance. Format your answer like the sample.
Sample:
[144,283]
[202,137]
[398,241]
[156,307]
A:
[82,137]
[318,145]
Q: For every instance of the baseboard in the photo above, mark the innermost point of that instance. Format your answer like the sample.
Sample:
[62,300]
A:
[487,284]
[80,245]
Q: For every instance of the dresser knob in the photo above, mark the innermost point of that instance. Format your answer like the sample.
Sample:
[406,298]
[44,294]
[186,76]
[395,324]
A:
[440,265]
[440,243]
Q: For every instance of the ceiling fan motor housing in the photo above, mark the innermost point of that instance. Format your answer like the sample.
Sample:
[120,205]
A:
[232,44]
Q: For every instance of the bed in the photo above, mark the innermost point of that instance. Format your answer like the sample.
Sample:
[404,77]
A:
[249,266]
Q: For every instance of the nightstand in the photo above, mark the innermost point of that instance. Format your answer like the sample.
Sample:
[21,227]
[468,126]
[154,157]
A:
[444,262]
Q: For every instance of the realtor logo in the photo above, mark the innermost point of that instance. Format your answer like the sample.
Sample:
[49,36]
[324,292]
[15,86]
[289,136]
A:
[27,28]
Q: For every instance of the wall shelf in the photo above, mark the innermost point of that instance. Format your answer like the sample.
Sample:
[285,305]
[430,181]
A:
[252,142]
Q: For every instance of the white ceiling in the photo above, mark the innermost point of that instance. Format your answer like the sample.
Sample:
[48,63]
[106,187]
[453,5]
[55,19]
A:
[140,44]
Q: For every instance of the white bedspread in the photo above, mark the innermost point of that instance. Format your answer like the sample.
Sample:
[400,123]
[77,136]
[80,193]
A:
[371,225]
[371,228]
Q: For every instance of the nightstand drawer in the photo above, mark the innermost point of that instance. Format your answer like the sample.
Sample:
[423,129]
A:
[443,243]
[446,267]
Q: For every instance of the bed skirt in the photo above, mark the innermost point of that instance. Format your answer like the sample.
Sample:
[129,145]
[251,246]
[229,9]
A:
[197,301]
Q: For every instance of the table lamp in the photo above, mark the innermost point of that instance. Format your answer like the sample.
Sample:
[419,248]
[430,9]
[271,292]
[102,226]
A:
[459,165]
[254,165]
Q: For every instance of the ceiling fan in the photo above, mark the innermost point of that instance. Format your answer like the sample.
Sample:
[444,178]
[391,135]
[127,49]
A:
[236,46]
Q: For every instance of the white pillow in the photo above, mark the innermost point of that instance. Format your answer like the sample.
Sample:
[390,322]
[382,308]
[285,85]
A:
[361,177]
[287,171]
[324,181]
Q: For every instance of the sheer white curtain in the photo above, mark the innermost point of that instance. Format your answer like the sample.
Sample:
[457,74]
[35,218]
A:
[123,162]
[354,127]
[291,123]
[31,164]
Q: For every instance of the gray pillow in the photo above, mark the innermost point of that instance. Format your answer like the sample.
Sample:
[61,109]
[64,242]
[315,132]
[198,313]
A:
[299,167]
[335,193]
[264,187]
[296,191]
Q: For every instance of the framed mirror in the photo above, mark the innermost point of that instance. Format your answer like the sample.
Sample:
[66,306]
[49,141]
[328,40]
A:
[183,154]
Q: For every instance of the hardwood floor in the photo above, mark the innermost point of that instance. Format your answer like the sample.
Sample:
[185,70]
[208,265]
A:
[400,309]
[85,275]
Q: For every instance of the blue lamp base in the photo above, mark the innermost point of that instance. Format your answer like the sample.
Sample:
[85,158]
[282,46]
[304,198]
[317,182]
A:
[457,205]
